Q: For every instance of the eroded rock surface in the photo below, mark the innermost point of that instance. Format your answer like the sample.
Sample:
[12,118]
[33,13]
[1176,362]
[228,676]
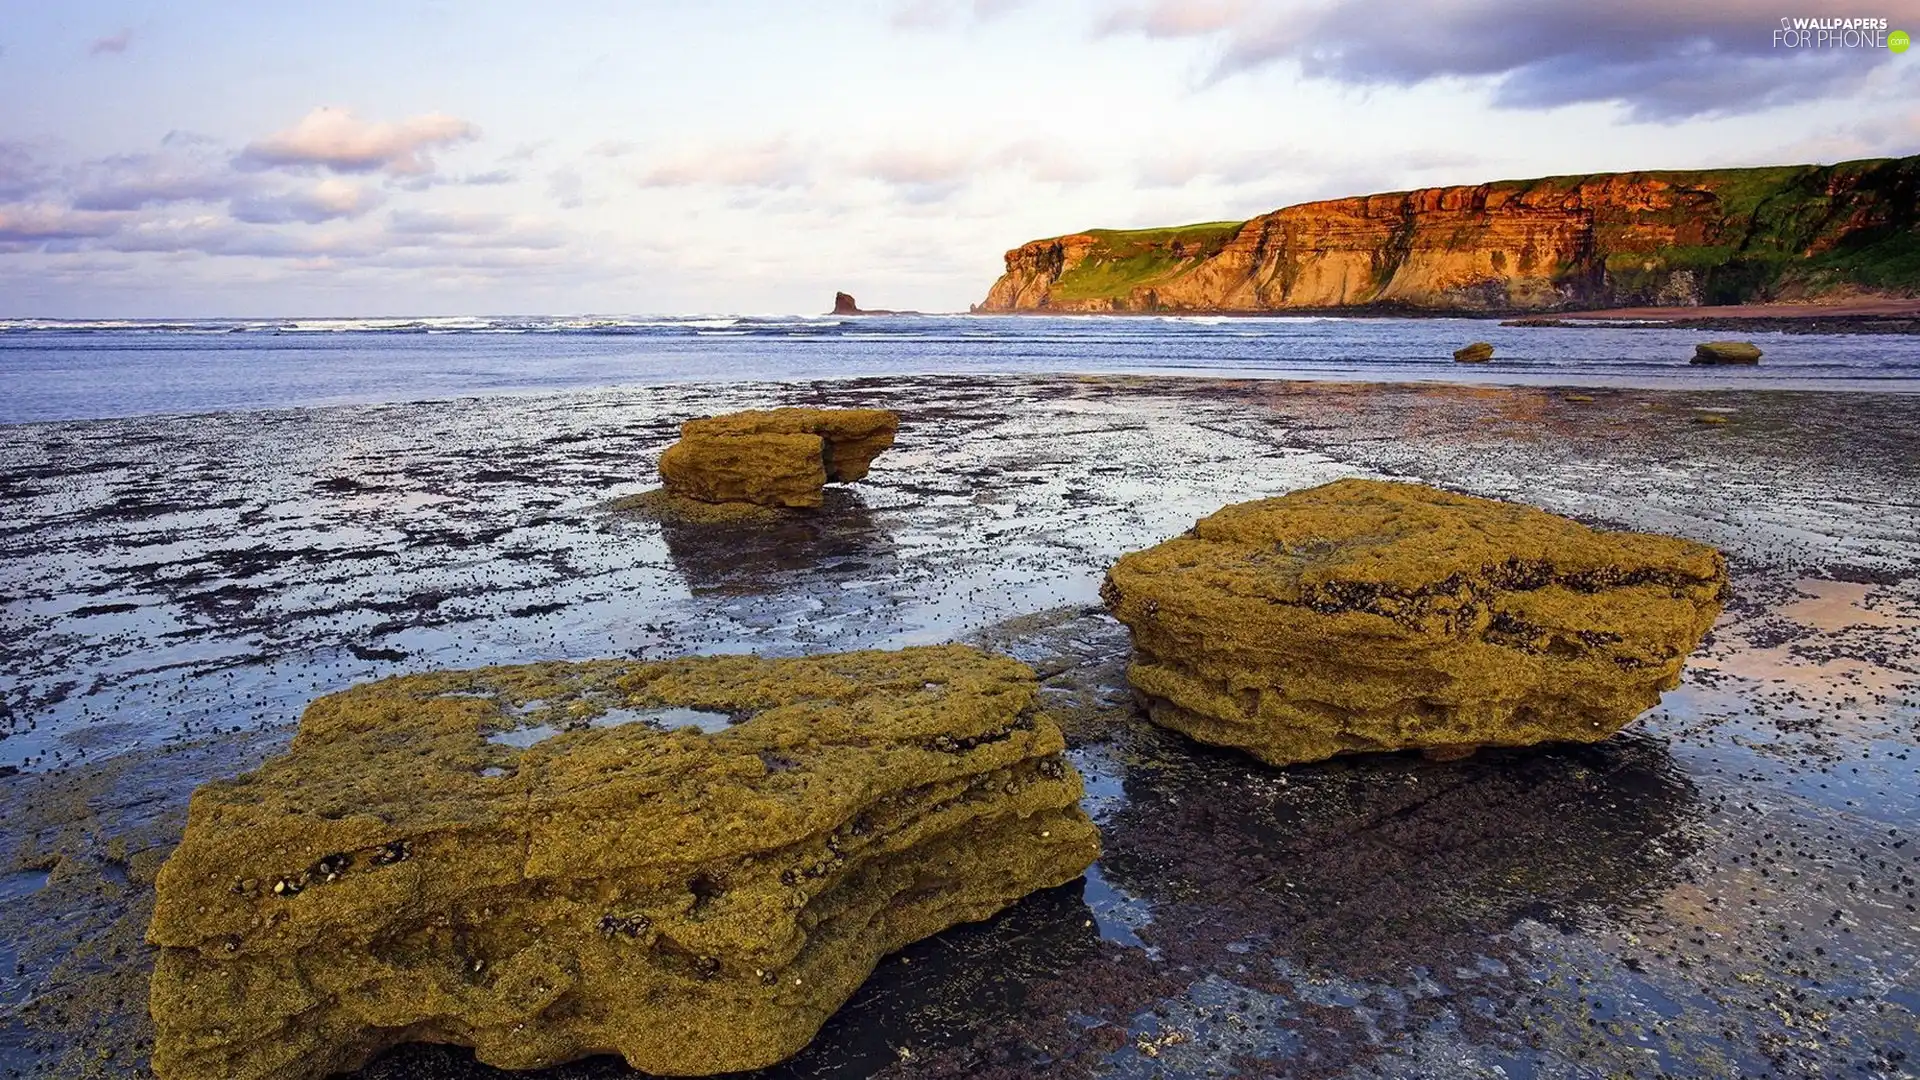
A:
[1477,353]
[775,457]
[1726,352]
[689,863]
[1370,616]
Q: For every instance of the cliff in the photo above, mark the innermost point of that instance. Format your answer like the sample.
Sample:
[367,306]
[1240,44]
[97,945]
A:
[1795,232]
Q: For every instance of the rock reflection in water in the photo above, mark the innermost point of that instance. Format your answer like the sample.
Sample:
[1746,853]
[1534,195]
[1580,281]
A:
[1425,863]
[842,538]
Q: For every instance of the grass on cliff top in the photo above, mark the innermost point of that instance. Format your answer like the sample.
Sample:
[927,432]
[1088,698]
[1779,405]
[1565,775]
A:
[1125,259]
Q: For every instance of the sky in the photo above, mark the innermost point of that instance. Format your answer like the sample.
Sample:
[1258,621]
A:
[195,160]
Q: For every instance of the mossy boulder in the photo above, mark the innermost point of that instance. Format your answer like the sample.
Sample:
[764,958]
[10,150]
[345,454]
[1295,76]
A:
[775,457]
[1477,353]
[1726,352]
[1373,616]
[689,863]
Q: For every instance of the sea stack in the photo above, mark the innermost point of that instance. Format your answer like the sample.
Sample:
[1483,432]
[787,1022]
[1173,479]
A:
[1365,615]
[844,304]
[691,863]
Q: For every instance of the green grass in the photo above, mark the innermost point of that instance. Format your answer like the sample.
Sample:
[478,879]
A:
[1747,238]
[1125,259]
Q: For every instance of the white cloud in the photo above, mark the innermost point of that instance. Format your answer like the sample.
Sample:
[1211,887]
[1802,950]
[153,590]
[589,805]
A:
[774,163]
[334,139]
[933,14]
[40,222]
[185,172]
[331,199]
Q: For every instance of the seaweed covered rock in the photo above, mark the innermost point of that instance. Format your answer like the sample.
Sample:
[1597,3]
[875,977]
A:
[1726,352]
[775,457]
[1477,353]
[1368,615]
[690,863]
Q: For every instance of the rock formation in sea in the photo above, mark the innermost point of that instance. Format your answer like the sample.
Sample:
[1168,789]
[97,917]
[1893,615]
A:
[689,863]
[1726,352]
[1368,615]
[775,457]
[844,304]
[1477,353]
[1595,241]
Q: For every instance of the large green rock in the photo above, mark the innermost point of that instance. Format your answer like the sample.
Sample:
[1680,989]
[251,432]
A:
[1726,352]
[1368,616]
[775,457]
[422,865]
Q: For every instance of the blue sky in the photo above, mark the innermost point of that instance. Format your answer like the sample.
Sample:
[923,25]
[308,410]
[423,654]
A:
[208,159]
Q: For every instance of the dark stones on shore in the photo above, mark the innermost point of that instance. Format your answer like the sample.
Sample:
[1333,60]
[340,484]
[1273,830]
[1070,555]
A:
[1726,352]
[1477,353]
[541,863]
[536,862]
[1366,616]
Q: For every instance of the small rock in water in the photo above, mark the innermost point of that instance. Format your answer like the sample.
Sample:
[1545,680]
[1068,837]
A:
[1477,353]
[1726,352]
[775,457]
[1365,615]
[699,903]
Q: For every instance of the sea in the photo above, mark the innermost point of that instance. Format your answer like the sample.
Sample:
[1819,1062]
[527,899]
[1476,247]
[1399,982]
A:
[75,370]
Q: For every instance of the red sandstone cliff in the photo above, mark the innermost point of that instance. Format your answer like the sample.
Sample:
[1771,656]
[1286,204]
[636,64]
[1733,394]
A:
[1657,238]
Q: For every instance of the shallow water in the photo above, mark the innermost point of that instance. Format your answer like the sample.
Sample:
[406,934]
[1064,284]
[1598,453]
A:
[1724,890]
[51,370]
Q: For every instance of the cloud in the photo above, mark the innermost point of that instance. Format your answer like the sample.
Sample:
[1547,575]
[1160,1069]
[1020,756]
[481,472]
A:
[567,187]
[20,174]
[1895,133]
[40,222]
[112,43]
[932,14]
[210,234]
[334,139]
[1345,172]
[331,199]
[770,164]
[1662,60]
[471,229]
[133,181]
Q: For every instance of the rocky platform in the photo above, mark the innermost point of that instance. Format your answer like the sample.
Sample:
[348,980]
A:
[690,863]
[1367,615]
[775,457]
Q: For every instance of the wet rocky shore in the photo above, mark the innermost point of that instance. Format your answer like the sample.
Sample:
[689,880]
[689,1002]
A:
[1724,889]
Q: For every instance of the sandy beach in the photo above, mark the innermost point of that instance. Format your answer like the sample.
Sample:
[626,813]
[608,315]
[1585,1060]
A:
[1725,889]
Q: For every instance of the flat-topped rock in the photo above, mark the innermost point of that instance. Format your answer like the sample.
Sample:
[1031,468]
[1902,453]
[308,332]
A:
[689,863]
[1726,352]
[775,457]
[1372,616]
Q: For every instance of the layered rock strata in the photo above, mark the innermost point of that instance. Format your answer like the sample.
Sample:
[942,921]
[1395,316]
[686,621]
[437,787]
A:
[689,863]
[775,457]
[1659,238]
[1373,616]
